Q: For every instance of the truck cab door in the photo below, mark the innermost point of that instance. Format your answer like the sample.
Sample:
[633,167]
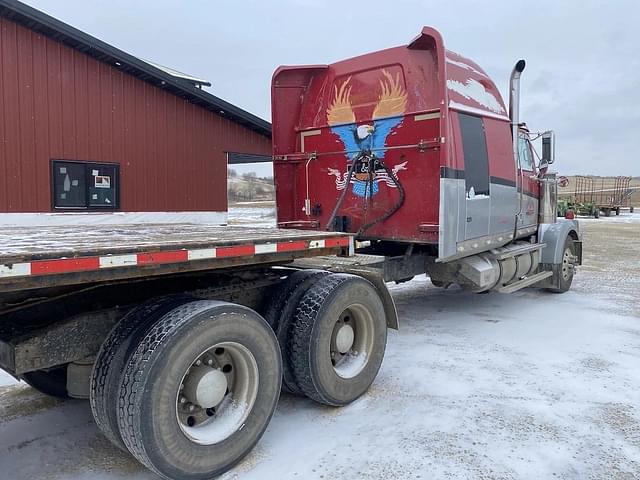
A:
[528,186]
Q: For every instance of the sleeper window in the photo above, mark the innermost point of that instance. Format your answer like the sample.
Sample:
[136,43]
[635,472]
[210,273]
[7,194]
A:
[476,160]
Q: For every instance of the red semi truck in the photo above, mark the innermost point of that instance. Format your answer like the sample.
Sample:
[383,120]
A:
[387,165]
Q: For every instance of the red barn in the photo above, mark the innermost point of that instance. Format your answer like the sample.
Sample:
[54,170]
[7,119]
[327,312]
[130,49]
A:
[89,133]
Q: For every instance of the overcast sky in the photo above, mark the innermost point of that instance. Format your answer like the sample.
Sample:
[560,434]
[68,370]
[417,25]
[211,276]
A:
[583,57]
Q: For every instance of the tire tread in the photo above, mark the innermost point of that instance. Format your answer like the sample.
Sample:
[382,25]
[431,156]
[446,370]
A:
[299,346]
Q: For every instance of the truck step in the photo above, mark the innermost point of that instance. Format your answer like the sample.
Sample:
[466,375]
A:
[507,252]
[525,282]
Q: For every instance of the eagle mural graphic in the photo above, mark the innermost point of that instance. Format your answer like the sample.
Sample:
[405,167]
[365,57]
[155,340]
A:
[365,144]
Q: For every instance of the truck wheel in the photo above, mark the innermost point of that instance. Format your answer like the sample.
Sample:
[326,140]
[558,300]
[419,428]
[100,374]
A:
[51,382]
[596,213]
[280,314]
[566,268]
[112,357]
[618,211]
[199,390]
[338,338]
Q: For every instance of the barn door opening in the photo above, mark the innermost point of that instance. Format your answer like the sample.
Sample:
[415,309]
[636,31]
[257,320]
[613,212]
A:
[250,189]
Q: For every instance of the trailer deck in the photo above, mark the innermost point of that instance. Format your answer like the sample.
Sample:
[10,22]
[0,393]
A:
[36,257]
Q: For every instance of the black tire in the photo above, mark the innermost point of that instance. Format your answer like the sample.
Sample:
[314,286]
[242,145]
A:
[314,333]
[147,413]
[596,213]
[618,211]
[51,382]
[566,272]
[279,314]
[113,356]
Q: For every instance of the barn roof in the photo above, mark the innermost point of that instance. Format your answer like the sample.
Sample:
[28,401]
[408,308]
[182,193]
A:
[182,85]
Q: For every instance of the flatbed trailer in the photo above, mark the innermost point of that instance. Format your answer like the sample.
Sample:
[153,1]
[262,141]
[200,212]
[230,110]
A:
[219,318]
[37,257]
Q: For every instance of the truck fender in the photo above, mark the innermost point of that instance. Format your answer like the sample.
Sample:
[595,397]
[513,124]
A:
[375,276]
[554,236]
[387,300]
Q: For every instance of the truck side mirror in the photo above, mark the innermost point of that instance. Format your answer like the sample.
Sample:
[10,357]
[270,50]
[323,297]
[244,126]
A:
[548,147]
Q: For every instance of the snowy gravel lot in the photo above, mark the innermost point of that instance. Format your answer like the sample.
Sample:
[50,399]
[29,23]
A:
[529,385]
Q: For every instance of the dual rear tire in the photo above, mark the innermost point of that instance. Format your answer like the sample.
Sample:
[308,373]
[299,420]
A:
[332,333]
[337,339]
[189,386]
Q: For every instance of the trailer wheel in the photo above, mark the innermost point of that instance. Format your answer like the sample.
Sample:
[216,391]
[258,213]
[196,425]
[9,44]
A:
[113,356]
[338,339]
[200,389]
[617,211]
[566,268]
[280,315]
[51,382]
[596,213]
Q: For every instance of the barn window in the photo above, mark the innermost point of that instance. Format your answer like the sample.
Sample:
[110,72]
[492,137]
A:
[85,185]
[476,160]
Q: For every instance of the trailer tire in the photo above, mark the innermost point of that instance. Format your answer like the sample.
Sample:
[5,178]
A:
[566,272]
[51,382]
[339,335]
[596,213]
[157,426]
[113,356]
[279,314]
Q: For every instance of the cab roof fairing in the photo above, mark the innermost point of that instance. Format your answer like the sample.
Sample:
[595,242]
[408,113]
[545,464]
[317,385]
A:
[462,84]
[471,90]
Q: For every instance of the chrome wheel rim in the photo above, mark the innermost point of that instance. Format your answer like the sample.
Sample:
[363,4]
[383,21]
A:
[352,341]
[217,393]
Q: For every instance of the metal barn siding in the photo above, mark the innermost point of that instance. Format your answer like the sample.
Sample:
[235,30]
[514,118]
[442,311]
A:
[59,103]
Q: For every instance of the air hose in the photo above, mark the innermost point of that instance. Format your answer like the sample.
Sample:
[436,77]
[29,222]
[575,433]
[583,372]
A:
[334,212]
[385,215]
[393,209]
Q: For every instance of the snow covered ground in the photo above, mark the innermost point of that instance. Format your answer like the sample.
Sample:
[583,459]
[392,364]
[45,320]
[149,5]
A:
[528,385]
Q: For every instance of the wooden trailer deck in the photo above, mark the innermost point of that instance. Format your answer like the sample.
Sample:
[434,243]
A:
[37,257]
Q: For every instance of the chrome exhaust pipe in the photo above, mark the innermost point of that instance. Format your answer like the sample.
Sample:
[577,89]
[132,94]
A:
[514,103]
[514,116]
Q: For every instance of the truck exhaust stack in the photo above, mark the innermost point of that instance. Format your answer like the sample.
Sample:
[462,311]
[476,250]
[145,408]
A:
[514,102]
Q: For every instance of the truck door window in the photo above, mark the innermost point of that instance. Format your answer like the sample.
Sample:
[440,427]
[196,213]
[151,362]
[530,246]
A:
[476,160]
[524,152]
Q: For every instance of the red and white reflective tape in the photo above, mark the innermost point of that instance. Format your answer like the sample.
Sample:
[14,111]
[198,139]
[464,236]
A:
[83,264]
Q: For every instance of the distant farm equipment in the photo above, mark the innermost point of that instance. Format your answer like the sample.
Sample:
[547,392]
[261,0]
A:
[591,196]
